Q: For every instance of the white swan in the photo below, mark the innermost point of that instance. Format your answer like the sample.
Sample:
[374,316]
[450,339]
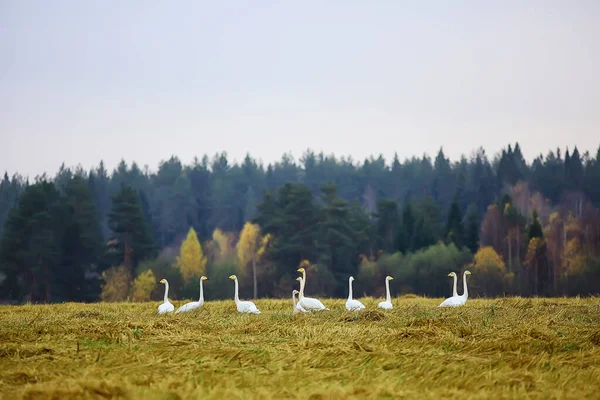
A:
[463,298]
[308,303]
[297,307]
[166,306]
[243,306]
[387,304]
[457,300]
[194,304]
[351,304]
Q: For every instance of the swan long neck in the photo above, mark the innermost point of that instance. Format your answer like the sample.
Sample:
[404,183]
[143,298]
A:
[349,289]
[454,292]
[301,294]
[466,292]
[166,299]
[201,292]
[303,282]
[236,296]
[294,299]
[388,298]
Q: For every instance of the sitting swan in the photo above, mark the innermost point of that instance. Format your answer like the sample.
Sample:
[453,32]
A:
[457,300]
[463,298]
[247,307]
[194,304]
[387,304]
[351,304]
[166,306]
[308,303]
[297,307]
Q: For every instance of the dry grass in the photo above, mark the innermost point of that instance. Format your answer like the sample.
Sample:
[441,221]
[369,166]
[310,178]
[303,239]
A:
[504,348]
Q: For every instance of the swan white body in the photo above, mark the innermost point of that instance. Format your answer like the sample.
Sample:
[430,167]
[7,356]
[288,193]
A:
[194,305]
[308,303]
[166,306]
[246,307]
[352,304]
[297,307]
[457,300]
[387,304]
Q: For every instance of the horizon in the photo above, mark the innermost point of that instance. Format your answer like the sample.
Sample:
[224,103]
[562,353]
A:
[297,160]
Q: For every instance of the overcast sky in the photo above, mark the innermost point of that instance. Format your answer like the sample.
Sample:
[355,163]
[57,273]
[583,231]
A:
[83,81]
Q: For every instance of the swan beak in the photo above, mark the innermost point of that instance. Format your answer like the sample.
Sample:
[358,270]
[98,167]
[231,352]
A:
[468,272]
[232,277]
[299,279]
[391,279]
[204,278]
[450,274]
[162,281]
[300,270]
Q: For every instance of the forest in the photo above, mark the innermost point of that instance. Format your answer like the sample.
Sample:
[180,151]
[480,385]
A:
[527,229]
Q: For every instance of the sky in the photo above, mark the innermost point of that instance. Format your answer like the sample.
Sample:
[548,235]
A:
[141,80]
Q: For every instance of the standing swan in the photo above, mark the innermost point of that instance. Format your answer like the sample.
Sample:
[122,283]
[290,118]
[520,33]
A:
[194,304]
[351,304]
[166,306]
[243,306]
[387,304]
[454,300]
[308,303]
[297,307]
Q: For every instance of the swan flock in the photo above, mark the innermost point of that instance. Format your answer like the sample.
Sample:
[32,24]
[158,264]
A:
[308,304]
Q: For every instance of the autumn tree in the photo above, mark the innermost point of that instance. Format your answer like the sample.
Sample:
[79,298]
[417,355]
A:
[490,274]
[143,286]
[191,260]
[117,281]
[536,264]
[250,248]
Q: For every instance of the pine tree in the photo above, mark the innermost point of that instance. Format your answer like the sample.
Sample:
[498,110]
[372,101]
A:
[133,239]
[454,226]
[535,228]
[472,230]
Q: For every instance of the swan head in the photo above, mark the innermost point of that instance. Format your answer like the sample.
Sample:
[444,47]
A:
[295,291]
[233,277]
[301,270]
[163,281]
[299,279]
[452,274]
[467,272]
[351,278]
[203,278]
[389,278]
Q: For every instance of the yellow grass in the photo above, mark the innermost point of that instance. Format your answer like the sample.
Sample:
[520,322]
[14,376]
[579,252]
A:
[505,348]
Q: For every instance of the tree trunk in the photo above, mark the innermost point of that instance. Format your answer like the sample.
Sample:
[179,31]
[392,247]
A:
[254,278]
[518,247]
[46,284]
[509,252]
[536,274]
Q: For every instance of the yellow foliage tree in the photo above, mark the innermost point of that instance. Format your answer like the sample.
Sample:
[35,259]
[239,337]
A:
[490,271]
[191,261]
[117,281]
[224,245]
[143,286]
[251,246]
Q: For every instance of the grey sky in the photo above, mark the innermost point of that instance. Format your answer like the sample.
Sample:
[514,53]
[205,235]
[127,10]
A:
[82,81]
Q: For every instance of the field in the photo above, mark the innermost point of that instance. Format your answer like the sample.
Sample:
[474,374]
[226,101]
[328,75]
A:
[504,348]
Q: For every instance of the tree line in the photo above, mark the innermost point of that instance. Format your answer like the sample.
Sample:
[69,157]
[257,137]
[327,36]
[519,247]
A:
[521,228]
